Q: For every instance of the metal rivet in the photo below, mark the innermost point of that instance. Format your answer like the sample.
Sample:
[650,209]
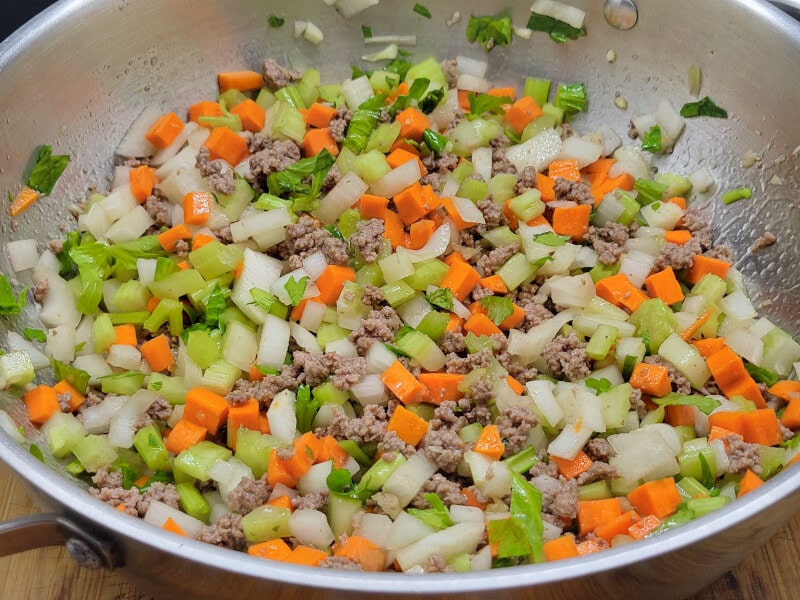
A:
[621,14]
[83,554]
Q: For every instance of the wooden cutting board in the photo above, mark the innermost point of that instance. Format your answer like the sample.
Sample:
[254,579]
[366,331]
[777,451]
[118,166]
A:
[771,573]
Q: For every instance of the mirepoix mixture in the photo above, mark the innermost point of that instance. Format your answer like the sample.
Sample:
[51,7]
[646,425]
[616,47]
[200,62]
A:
[410,322]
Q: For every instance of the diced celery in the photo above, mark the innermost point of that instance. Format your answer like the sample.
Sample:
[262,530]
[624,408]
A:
[131,296]
[253,448]
[308,87]
[599,490]
[615,404]
[214,259]
[340,511]
[434,324]
[354,450]
[473,189]
[654,321]
[221,376]
[601,341]
[178,284]
[685,432]
[423,411]
[197,460]
[131,318]
[384,81]
[192,501]
[686,359]
[463,170]
[500,236]
[279,310]
[103,332]
[771,460]
[371,166]
[384,135]
[527,205]
[124,384]
[622,486]
[151,448]
[703,506]
[476,343]
[288,123]
[265,98]
[429,69]
[429,272]
[677,185]
[780,352]
[369,274]
[290,94]
[538,125]
[538,89]
[419,346]
[63,431]
[348,222]
[522,461]
[327,393]
[235,203]
[654,416]
[172,388]
[396,293]
[515,271]
[329,332]
[232,313]
[554,112]
[379,472]
[345,160]
[94,452]
[164,266]
[689,488]
[331,93]
[692,465]
[201,348]
[168,309]
[266,523]
[232,97]
[711,287]
[470,433]
[469,135]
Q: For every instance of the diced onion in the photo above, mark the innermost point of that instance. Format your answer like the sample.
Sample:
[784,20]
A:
[571,15]
[584,151]
[134,143]
[357,91]
[470,83]
[22,254]
[304,338]
[313,313]
[347,192]
[274,342]
[342,347]
[701,180]
[350,8]
[379,358]
[370,390]
[311,528]
[390,184]
[158,513]
[468,210]
[435,246]
[482,162]
[538,152]
[470,66]
[315,264]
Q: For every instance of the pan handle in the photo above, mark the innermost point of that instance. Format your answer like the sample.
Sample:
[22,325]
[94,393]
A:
[42,530]
[790,7]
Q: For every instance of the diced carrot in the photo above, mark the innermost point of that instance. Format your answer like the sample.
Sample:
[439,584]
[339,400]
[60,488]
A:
[197,207]
[393,228]
[171,525]
[664,285]
[472,500]
[400,156]
[401,90]
[275,549]
[420,232]
[463,99]
[76,399]
[501,92]
[651,379]
[308,444]
[489,443]
[708,346]
[361,551]
[572,468]
[184,265]
[597,171]
[331,282]
[591,546]
[319,115]
[791,414]
[402,144]
[442,386]
[277,472]
[748,388]
[618,526]
[244,414]
[546,186]
[238,269]
[24,199]
[125,335]
[761,426]
[153,303]
[480,324]
[660,498]
[225,144]
[298,464]
[455,216]
[522,112]
[204,108]
[164,131]
[403,384]
[413,123]
[409,427]
[281,502]
[244,81]
[748,483]
[592,513]
[453,257]
[644,527]
[703,265]
[621,182]
[618,290]
[329,449]
[142,181]
[688,333]
[787,390]
[572,220]
[678,201]
[538,222]
[42,403]
[455,324]
[494,283]
[317,140]
[184,435]
[560,548]
[373,207]
[514,319]
[461,279]
[201,239]
[415,202]
[251,114]
[679,415]
[515,385]
[306,555]
[170,238]
[566,169]
[729,372]
[513,221]
[728,420]
[715,432]
[204,407]
[158,354]
[678,236]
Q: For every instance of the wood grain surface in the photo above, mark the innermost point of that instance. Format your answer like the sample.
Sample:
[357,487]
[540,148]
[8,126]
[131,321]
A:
[771,573]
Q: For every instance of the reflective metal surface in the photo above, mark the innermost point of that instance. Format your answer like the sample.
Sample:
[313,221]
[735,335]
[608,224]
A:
[78,75]
[622,14]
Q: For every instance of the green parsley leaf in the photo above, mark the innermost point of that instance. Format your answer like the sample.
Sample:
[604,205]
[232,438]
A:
[36,452]
[157,477]
[572,98]
[11,304]
[270,202]
[434,141]
[364,120]
[551,239]
[705,404]
[291,180]
[704,107]
[707,477]
[75,377]
[296,289]
[559,31]
[306,408]
[276,21]
[480,104]
[431,100]
[521,534]
[47,170]
[366,32]
[600,385]
[441,298]
[651,140]
[34,335]
[499,308]
[399,66]
[437,517]
[762,375]
[262,299]
[214,305]
[489,31]
[129,474]
[422,10]
[334,231]
[72,239]
[340,483]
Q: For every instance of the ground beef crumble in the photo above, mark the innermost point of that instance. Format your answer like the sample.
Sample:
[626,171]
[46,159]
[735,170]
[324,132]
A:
[226,532]
[307,236]
[608,241]
[344,371]
[380,325]
[514,424]
[368,239]
[742,456]
[567,356]
[217,173]
[766,240]
[572,191]
[369,427]
[277,76]
[248,494]
[266,389]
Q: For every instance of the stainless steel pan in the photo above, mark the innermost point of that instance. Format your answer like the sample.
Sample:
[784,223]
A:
[77,76]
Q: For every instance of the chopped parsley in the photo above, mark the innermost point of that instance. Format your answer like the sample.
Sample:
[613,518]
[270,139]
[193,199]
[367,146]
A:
[10,304]
[705,107]
[551,239]
[489,31]
[705,404]
[480,104]
[559,31]
[599,385]
[47,170]
[651,140]
[34,335]
[262,299]
[276,21]
[422,10]
[499,308]
[441,298]
[306,408]
[436,516]
[435,142]
[366,32]
[296,289]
